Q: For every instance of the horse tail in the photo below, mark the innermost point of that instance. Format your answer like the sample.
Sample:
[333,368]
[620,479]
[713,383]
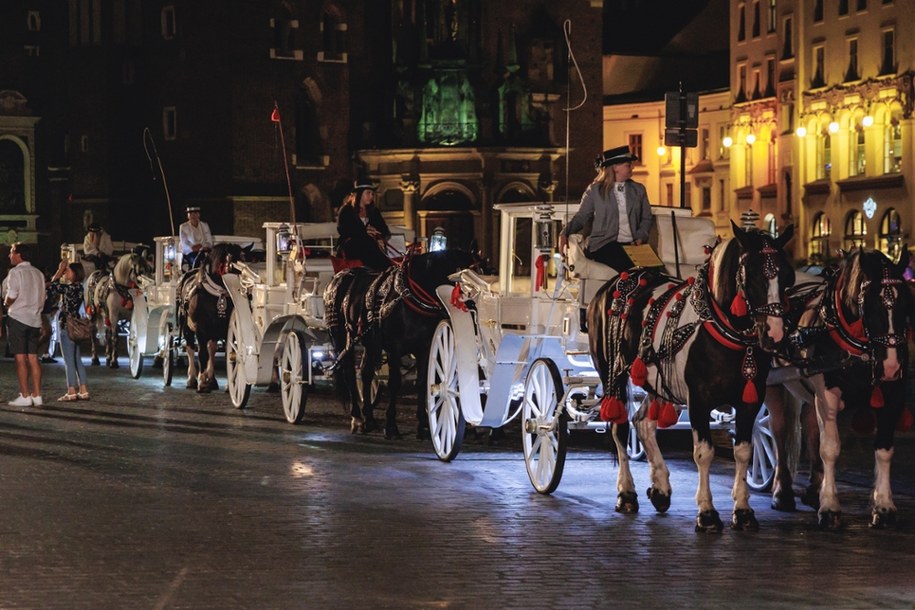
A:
[597,334]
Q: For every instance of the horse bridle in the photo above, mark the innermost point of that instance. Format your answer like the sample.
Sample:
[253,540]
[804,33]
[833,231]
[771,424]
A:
[770,271]
[855,335]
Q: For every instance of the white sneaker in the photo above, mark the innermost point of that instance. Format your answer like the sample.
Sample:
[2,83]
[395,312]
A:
[21,401]
[37,401]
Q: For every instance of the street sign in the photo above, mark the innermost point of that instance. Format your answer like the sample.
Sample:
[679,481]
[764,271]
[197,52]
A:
[687,138]
[682,109]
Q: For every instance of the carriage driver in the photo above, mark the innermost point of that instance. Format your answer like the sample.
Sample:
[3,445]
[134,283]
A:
[617,209]
[362,229]
[97,246]
[194,235]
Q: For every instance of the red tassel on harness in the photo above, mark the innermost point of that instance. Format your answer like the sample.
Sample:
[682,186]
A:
[613,410]
[750,396]
[668,416]
[639,372]
[877,398]
[654,409]
[456,298]
[538,281]
[739,305]
[905,421]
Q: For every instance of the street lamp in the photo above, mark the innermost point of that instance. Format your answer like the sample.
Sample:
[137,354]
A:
[751,139]
[800,132]
[727,142]
[438,241]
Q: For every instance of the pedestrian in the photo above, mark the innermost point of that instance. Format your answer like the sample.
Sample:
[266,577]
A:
[97,246]
[363,231]
[71,300]
[194,236]
[25,296]
[615,207]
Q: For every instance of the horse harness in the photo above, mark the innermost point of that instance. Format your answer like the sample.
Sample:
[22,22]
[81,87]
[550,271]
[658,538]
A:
[399,282]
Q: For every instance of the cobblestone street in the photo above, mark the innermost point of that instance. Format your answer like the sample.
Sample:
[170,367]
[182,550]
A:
[152,497]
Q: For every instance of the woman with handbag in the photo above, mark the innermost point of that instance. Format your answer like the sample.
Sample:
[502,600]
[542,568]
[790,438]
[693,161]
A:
[71,301]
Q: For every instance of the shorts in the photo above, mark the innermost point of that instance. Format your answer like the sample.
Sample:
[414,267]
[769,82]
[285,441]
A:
[22,339]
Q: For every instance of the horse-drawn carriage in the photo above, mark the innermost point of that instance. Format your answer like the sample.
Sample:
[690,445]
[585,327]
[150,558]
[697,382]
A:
[153,330]
[277,328]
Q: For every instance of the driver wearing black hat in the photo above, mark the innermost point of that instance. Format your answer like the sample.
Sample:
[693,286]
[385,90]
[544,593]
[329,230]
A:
[362,229]
[97,246]
[615,207]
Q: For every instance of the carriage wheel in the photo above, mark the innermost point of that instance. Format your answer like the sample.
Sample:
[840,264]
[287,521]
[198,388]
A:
[168,359]
[761,470]
[634,448]
[544,433]
[133,352]
[446,422]
[294,376]
[239,390]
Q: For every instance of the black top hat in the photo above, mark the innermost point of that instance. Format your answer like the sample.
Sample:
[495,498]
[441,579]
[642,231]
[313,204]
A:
[362,184]
[620,154]
[193,208]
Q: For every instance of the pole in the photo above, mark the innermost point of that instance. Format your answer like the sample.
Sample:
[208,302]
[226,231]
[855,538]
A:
[275,117]
[682,136]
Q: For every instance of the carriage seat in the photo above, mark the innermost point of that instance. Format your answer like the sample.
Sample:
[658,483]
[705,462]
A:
[583,267]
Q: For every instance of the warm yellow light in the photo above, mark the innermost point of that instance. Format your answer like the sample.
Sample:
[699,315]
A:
[728,141]
[867,121]
[662,150]
[800,132]
[833,127]
[751,138]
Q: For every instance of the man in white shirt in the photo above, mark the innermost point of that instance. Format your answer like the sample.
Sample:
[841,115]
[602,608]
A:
[25,296]
[194,235]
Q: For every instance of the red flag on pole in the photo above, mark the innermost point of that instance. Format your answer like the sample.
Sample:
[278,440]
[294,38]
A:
[275,115]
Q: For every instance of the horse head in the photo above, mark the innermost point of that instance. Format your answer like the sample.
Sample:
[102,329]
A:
[131,266]
[874,307]
[752,274]
[221,257]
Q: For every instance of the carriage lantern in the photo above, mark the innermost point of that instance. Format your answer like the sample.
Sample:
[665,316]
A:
[438,241]
[284,241]
[544,225]
[169,255]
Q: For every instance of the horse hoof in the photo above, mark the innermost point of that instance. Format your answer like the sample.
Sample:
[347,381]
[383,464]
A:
[273,388]
[203,388]
[392,433]
[659,499]
[830,520]
[191,384]
[744,520]
[356,426]
[96,362]
[370,426]
[708,522]
[627,502]
[114,365]
[811,498]
[783,502]
[883,518]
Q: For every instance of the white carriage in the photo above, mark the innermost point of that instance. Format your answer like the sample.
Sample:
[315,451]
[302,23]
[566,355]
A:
[277,326]
[530,352]
[153,328]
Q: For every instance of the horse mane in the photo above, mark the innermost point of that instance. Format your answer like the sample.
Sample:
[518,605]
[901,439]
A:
[124,268]
[724,262]
[223,253]
[854,275]
[433,268]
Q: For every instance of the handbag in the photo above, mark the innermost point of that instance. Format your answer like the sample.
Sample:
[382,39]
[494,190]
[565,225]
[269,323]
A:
[79,328]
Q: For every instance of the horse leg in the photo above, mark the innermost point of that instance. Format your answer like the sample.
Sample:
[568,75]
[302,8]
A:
[627,500]
[394,384]
[191,367]
[211,365]
[370,358]
[883,512]
[828,404]
[703,453]
[782,484]
[659,492]
[811,432]
[203,380]
[111,351]
[93,341]
[743,517]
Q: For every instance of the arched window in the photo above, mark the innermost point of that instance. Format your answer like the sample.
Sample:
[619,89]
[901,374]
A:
[856,156]
[820,230]
[855,231]
[891,236]
[892,145]
[824,155]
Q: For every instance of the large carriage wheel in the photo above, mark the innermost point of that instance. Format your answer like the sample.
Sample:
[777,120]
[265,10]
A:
[544,433]
[133,352]
[446,422]
[761,470]
[294,376]
[239,390]
[168,358]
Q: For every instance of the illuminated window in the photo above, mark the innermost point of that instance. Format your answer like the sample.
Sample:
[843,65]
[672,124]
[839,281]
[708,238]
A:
[856,156]
[33,21]
[892,145]
[855,230]
[169,123]
[168,22]
[824,155]
[891,234]
[820,230]
[635,146]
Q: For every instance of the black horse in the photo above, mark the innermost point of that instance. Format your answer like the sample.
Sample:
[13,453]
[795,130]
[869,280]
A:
[395,312]
[854,329]
[203,311]
[699,343]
